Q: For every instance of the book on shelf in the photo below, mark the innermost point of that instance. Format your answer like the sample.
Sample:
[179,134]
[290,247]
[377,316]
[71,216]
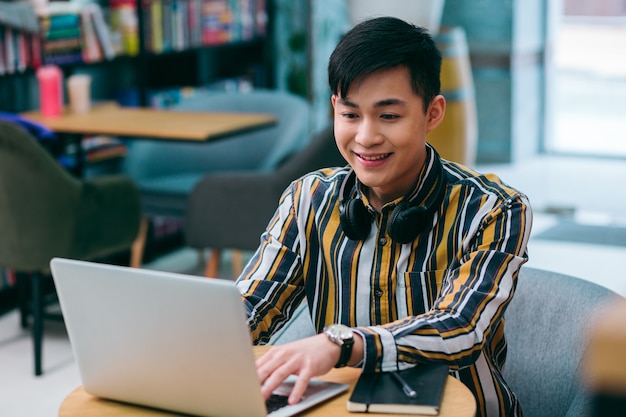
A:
[74,32]
[15,50]
[166,25]
[102,31]
[156,26]
[62,36]
[35,51]
[260,18]
[125,25]
[92,52]
[179,12]
[9,50]
[19,36]
[172,25]
[216,21]
[417,390]
[194,23]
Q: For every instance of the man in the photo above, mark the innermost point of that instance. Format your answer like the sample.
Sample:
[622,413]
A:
[401,257]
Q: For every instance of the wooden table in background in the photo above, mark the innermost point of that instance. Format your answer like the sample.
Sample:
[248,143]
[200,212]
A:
[113,120]
[458,401]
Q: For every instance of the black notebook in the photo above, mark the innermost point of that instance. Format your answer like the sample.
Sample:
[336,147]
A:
[383,392]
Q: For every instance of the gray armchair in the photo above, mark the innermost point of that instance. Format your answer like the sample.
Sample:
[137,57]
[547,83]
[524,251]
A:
[230,210]
[46,212]
[167,171]
[547,326]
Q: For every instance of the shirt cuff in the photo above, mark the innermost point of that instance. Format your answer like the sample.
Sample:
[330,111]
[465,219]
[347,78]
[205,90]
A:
[379,350]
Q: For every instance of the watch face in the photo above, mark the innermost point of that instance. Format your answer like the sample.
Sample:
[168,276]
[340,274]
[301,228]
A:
[340,331]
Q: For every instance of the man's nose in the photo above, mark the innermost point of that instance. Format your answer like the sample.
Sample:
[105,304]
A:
[368,133]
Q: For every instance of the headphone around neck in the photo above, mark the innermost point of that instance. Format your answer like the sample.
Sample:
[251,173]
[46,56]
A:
[407,219]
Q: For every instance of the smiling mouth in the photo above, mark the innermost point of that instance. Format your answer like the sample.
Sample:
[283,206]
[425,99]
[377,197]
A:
[374,157]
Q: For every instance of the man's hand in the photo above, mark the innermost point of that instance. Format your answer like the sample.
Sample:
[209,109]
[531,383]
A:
[307,358]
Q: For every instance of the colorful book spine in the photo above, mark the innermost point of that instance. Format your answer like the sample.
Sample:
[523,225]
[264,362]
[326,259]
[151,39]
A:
[35,51]
[102,31]
[178,25]
[174,25]
[91,47]
[147,25]
[9,50]
[246,18]
[23,47]
[123,20]
[62,39]
[156,24]
[73,34]
[195,22]
[215,21]
[260,18]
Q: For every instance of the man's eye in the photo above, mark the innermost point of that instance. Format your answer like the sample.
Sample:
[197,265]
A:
[387,116]
[350,115]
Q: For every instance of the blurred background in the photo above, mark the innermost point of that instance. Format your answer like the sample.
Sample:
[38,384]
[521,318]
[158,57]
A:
[537,91]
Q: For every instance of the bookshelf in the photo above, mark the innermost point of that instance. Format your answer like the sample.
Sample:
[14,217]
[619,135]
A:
[135,47]
[130,56]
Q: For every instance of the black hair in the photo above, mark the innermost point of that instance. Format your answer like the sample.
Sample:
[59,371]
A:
[385,43]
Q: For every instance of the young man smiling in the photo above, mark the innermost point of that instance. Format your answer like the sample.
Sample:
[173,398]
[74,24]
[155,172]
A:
[402,258]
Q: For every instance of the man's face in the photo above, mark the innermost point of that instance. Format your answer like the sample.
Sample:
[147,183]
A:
[380,129]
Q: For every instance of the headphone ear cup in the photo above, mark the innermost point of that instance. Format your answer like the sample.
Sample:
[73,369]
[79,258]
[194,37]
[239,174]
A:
[355,220]
[406,222]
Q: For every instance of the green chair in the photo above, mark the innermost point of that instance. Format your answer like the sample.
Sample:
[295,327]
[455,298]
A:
[46,212]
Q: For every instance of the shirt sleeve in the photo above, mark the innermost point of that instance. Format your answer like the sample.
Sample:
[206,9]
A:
[471,303]
[272,283]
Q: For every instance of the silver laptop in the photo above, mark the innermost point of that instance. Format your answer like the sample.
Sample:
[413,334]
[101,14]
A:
[166,340]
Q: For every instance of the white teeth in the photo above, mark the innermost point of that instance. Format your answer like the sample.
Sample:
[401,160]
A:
[374,158]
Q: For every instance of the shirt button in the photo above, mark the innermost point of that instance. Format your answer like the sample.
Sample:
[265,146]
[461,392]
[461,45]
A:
[378,292]
[382,241]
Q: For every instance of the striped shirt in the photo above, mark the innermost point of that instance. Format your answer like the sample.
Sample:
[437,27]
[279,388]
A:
[439,298]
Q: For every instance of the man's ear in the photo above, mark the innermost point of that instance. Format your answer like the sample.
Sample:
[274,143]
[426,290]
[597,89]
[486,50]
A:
[436,111]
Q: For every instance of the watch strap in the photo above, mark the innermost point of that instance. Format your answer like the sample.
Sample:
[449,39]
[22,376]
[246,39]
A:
[346,352]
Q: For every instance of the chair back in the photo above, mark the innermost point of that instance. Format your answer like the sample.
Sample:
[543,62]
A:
[547,324]
[36,193]
[258,150]
[47,212]
[230,210]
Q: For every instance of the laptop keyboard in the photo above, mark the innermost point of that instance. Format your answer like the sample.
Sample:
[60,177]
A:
[276,401]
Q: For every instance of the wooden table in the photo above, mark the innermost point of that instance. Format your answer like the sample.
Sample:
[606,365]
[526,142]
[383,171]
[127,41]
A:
[111,119]
[458,401]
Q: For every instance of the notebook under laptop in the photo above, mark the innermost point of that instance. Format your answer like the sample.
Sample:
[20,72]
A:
[165,340]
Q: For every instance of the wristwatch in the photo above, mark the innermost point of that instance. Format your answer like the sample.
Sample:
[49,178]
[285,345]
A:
[342,336]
